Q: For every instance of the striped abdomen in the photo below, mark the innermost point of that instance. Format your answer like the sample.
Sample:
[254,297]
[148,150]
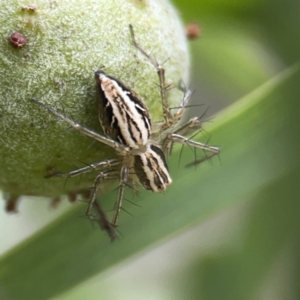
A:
[122,114]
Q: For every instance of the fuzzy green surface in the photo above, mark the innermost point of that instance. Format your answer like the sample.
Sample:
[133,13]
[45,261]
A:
[67,41]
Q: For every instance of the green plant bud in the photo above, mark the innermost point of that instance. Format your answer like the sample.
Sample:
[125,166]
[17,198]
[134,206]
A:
[49,52]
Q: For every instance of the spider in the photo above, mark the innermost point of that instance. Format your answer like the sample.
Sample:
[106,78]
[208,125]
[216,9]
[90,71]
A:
[142,148]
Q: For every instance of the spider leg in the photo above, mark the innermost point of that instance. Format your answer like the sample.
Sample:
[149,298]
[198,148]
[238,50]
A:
[96,186]
[109,163]
[173,137]
[100,138]
[124,174]
[168,117]
[178,136]
[104,222]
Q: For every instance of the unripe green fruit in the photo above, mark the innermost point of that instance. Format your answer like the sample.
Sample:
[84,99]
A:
[66,42]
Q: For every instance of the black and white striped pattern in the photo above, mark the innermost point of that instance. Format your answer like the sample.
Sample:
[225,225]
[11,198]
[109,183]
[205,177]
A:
[122,114]
[151,169]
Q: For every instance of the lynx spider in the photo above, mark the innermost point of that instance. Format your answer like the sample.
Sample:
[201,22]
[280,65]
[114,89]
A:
[126,123]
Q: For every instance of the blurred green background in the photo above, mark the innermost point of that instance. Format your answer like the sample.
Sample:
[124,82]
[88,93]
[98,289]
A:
[231,229]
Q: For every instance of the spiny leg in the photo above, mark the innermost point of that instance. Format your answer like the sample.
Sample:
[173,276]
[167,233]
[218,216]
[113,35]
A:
[124,173]
[173,137]
[101,218]
[187,93]
[168,117]
[159,126]
[96,186]
[176,138]
[104,223]
[109,163]
[100,138]
[184,129]
[187,128]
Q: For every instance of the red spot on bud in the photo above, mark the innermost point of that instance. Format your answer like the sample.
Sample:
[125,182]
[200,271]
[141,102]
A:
[192,31]
[17,40]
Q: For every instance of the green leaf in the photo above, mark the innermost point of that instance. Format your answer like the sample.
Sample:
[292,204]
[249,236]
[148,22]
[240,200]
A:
[259,143]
